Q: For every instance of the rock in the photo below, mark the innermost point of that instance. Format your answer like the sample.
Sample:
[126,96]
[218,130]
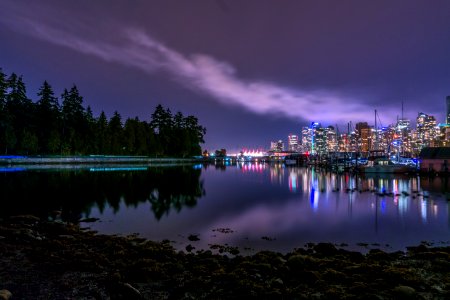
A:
[66,236]
[5,295]
[89,220]
[326,249]
[26,219]
[404,292]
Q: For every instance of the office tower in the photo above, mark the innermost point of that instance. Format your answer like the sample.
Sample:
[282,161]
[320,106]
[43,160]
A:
[293,143]
[448,110]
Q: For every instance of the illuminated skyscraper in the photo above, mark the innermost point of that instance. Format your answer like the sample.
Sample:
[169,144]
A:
[448,109]
[364,133]
[277,146]
[293,142]
[426,130]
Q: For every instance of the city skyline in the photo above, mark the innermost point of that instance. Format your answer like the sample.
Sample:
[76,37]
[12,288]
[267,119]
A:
[252,72]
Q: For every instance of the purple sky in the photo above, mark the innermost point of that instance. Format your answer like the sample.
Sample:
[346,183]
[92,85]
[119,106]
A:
[252,71]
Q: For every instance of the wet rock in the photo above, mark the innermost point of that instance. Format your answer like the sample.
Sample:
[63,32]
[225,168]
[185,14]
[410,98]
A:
[66,236]
[404,292]
[5,295]
[326,249]
[24,219]
[300,262]
[89,220]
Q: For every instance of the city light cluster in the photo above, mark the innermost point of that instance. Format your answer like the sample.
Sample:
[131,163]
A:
[398,138]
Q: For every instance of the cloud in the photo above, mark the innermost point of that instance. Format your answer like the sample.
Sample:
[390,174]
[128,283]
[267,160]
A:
[202,73]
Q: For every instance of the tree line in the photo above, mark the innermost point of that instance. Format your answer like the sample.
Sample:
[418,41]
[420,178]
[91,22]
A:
[54,125]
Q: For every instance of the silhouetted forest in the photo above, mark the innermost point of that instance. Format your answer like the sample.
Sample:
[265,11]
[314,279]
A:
[62,125]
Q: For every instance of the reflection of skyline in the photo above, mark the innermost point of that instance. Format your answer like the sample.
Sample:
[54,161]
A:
[313,205]
[401,194]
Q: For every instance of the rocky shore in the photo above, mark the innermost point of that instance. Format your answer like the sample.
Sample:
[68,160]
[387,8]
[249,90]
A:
[54,260]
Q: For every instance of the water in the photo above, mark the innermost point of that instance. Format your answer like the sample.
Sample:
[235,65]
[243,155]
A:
[251,206]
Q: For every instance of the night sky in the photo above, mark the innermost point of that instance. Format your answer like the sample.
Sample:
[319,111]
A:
[252,71]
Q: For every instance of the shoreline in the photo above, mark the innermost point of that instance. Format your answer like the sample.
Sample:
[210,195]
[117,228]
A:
[90,159]
[54,260]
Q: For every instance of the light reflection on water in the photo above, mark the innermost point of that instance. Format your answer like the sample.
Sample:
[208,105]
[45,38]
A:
[279,208]
[264,206]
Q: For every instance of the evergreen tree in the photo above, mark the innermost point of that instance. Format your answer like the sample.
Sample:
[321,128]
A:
[20,112]
[115,131]
[90,145]
[73,121]
[48,116]
[130,135]
[102,138]
[3,87]
[162,125]
[5,121]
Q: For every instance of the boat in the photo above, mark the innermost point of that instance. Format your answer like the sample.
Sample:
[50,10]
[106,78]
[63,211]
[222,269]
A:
[384,165]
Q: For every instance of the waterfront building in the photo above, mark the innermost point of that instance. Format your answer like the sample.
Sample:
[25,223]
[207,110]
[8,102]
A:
[277,146]
[364,135]
[331,138]
[426,130]
[435,159]
[320,141]
[293,143]
[309,138]
[403,136]
[343,143]
[448,110]
[306,139]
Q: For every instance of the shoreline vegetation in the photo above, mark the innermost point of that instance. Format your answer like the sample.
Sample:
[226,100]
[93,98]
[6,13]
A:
[44,259]
[91,159]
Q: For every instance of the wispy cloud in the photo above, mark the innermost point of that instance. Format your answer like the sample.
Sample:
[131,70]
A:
[202,73]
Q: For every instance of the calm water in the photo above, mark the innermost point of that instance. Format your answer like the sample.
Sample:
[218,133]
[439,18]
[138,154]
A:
[251,206]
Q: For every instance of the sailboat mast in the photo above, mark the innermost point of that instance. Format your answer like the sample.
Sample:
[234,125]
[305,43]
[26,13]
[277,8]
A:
[376,132]
[403,149]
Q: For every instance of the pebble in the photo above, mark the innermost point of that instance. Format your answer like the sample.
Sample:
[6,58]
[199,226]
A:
[5,295]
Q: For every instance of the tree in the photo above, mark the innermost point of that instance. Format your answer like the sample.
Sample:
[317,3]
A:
[102,138]
[3,87]
[115,131]
[162,125]
[48,116]
[20,111]
[5,122]
[130,135]
[73,120]
[221,153]
[29,142]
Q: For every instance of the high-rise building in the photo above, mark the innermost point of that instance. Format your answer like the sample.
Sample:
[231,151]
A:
[448,110]
[426,130]
[309,138]
[293,143]
[332,142]
[277,146]
[364,133]
[403,135]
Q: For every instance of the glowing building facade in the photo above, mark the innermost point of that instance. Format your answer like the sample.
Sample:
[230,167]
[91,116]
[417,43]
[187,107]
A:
[293,143]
